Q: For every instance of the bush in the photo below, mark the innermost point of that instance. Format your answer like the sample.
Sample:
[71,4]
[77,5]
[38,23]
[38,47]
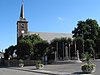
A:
[21,61]
[39,64]
[88,68]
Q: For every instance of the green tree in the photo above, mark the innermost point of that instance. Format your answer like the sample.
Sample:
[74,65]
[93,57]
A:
[30,46]
[98,45]
[89,44]
[24,49]
[9,51]
[88,29]
[41,49]
[6,54]
[59,44]
[98,48]
[78,45]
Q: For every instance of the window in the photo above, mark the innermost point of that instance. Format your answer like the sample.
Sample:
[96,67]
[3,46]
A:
[22,26]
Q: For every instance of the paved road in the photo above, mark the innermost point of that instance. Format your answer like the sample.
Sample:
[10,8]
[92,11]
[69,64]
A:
[7,71]
[72,68]
[65,67]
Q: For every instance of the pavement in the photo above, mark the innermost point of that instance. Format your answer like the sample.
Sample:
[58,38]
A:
[7,71]
[60,68]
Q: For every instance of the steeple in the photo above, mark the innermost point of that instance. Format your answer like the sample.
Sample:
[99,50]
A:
[22,11]
[22,24]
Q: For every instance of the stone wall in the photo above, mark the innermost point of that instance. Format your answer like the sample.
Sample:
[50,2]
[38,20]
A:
[16,62]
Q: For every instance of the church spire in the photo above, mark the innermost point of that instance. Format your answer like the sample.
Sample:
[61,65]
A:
[22,11]
[22,24]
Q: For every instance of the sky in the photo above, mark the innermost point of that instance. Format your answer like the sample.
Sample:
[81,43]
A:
[44,16]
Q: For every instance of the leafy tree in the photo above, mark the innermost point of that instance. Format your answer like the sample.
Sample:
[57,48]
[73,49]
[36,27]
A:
[40,49]
[78,45]
[24,49]
[6,54]
[88,29]
[98,48]
[30,46]
[89,44]
[9,51]
[60,44]
[97,42]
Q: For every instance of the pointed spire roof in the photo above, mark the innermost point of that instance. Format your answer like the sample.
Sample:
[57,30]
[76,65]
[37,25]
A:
[22,11]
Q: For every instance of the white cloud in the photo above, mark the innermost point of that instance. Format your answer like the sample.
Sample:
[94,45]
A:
[60,18]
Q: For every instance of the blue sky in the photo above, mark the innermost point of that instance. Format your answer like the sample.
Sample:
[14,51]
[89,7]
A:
[44,16]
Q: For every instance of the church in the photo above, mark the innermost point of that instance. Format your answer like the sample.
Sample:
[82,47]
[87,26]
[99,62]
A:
[22,29]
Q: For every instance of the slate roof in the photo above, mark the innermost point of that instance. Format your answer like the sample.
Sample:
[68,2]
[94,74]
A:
[50,35]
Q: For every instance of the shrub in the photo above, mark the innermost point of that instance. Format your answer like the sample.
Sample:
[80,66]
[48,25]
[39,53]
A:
[21,61]
[39,64]
[88,67]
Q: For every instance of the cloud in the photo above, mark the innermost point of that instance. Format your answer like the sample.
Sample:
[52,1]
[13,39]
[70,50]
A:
[60,18]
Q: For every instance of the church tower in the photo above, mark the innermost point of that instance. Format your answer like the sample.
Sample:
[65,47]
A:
[22,24]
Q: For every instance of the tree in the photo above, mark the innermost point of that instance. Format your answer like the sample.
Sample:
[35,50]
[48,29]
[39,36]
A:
[89,44]
[58,45]
[9,51]
[97,42]
[88,29]
[41,49]
[24,49]
[98,48]
[78,45]
[6,54]
[30,46]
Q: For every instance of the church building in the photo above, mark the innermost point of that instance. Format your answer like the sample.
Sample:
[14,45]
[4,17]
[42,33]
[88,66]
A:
[22,29]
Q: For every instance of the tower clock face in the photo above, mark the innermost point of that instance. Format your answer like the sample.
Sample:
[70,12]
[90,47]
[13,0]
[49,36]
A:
[22,26]
[22,32]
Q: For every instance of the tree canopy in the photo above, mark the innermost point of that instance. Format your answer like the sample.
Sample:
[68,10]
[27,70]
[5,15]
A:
[89,31]
[31,47]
